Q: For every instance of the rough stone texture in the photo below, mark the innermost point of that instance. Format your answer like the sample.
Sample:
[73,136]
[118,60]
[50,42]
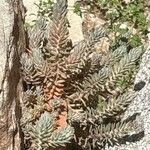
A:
[31,9]
[75,22]
[11,44]
[6,27]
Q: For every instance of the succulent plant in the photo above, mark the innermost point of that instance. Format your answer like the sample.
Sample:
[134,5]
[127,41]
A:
[71,92]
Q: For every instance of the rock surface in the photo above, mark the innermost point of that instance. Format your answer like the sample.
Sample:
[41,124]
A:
[6,27]
[11,44]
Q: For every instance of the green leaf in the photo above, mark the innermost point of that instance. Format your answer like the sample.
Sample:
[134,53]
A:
[135,41]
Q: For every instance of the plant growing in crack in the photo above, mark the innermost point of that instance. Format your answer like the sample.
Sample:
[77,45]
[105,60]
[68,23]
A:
[72,93]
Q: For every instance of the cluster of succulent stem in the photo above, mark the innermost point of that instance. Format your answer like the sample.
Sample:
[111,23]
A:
[71,93]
